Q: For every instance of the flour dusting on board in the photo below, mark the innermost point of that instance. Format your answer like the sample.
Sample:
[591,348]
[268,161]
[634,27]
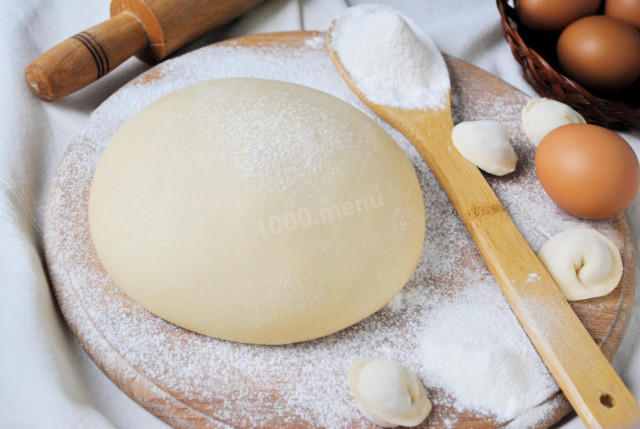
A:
[465,351]
[391,63]
[258,386]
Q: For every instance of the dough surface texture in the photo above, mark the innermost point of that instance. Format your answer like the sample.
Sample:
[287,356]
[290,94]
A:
[486,144]
[256,211]
[542,115]
[584,263]
[387,393]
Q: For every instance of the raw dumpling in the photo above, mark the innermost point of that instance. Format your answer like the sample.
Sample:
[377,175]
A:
[387,393]
[584,263]
[542,115]
[486,144]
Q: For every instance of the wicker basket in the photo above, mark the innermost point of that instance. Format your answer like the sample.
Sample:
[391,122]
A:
[549,83]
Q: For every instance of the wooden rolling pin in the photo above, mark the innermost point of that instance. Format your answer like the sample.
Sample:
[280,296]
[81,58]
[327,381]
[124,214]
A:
[152,29]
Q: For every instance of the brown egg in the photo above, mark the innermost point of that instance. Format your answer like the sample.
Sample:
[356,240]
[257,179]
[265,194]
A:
[626,10]
[600,52]
[589,171]
[553,15]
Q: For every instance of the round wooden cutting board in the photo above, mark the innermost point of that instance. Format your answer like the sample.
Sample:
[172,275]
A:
[189,380]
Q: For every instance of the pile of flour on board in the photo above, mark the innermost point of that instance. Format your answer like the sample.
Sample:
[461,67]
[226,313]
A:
[392,63]
[239,380]
[491,367]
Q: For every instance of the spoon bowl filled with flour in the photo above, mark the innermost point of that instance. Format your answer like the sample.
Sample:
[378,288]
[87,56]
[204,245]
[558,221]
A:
[397,65]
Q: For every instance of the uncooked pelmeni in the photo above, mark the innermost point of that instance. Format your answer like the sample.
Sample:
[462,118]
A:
[256,211]
[387,393]
[541,115]
[486,144]
[584,263]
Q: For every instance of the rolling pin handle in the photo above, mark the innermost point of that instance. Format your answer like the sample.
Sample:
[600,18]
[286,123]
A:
[85,57]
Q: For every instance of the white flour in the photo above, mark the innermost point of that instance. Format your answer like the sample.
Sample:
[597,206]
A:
[389,62]
[256,386]
[490,366]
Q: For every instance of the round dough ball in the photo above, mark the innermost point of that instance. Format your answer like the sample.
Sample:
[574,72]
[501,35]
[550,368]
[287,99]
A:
[584,263]
[542,115]
[256,211]
[486,144]
[387,393]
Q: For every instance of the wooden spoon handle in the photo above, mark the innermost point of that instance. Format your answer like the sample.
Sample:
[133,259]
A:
[85,57]
[578,365]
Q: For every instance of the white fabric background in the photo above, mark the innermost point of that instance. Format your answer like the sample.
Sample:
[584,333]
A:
[46,379]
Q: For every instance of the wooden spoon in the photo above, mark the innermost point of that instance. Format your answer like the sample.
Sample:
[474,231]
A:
[581,370]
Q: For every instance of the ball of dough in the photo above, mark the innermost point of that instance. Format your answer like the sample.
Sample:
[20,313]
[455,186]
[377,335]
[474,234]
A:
[584,263]
[486,144]
[542,115]
[387,393]
[256,211]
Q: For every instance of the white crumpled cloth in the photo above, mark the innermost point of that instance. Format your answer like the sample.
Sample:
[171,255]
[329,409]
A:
[46,379]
